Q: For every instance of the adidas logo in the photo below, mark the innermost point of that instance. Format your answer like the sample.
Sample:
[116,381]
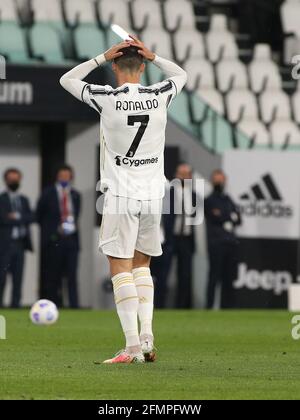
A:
[267,190]
[265,200]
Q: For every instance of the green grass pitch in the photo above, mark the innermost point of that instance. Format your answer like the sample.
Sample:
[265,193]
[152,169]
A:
[202,355]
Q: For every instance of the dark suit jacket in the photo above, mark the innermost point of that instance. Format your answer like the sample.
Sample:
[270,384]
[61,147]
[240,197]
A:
[49,217]
[168,221]
[215,223]
[7,225]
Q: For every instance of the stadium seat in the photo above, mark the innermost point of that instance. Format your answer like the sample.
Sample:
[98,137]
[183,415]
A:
[274,104]
[158,41]
[231,74]
[116,11]
[256,131]
[89,40]
[213,98]
[50,14]
[8,11]
[47,11]
[276,111]
[219,41]
[178,14]
[201,79]
[291,48]
[263,71]
[218,23]
[146,14]
[264,76]
[213,129]
[45,44]
[290,17]
[79,12]
[242,110]
[12,42]
[188,43]
[285,134]
[200,74]
[262,52]
[241,104]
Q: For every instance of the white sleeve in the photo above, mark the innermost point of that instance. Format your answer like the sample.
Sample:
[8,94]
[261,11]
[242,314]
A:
[174,73]
[72,81]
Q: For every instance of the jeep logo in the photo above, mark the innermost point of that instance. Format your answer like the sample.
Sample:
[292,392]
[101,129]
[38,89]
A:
[277,281]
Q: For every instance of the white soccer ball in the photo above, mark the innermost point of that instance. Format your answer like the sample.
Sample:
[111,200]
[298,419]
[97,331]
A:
[44,312]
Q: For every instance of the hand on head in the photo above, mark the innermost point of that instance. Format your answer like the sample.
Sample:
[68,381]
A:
[115,51]
[142,49]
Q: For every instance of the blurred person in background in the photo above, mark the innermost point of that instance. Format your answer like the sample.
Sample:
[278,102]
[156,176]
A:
[58,213]
[179,242]
[222,216]
[15,219]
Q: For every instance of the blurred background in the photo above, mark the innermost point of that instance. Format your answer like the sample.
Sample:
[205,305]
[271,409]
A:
[236,125]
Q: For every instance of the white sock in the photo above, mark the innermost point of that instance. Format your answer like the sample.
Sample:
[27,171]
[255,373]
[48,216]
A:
[127,307]
[145,290]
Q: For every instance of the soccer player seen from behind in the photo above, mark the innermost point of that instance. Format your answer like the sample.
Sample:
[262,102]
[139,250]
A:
[132,135]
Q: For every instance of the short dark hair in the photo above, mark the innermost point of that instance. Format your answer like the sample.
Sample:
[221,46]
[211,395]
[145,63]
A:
[130,61]
[65,167]
[182,162]
[10,171]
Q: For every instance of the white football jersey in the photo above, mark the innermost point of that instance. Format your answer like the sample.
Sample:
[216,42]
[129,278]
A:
[133,124]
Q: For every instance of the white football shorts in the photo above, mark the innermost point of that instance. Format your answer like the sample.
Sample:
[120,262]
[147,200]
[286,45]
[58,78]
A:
[129,225]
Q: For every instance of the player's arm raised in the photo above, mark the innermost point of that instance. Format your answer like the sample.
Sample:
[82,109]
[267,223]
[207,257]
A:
[170,69]
[72,80]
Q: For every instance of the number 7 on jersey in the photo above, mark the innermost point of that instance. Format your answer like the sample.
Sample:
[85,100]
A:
[143,120]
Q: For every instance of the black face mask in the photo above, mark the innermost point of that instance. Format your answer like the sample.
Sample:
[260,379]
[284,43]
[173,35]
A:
[219,188]
[13,186]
